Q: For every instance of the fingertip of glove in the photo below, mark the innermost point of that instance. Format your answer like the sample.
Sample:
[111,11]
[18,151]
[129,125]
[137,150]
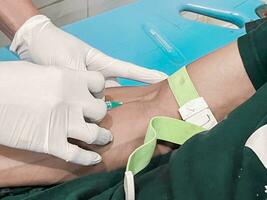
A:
[97,159]
[102,110]
[95,111]
[104,137]
[91,159]
[108,136]
[96,81]
[146,75]
[160,74]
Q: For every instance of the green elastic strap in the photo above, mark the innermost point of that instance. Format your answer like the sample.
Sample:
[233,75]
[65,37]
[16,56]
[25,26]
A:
[160,128]
[165,128]
[182,87]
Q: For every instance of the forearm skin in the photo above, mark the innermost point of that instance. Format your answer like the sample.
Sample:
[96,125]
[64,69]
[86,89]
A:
[13,14]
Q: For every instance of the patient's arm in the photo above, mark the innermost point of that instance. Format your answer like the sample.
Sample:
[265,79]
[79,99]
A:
[219,77]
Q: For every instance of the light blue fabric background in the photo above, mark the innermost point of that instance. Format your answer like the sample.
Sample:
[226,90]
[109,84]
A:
[152,33]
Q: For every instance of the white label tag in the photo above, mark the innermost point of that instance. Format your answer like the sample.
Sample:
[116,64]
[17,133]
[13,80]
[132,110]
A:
[192,107]
[204,119]
[197,112]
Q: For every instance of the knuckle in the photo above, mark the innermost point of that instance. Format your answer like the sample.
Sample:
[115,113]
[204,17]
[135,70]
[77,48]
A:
[102,110]
[98,81]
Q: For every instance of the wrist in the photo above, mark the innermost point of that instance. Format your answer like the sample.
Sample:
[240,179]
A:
[14,13]
[21,41]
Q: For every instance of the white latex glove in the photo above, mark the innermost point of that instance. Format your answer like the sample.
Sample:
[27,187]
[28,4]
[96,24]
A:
[40,107]
[41,42]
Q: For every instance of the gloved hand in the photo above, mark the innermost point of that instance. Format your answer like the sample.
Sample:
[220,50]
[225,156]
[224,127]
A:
[41,42]
[40,107]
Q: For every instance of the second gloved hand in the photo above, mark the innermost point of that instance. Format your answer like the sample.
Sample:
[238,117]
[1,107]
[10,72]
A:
[41,42]
[40,107]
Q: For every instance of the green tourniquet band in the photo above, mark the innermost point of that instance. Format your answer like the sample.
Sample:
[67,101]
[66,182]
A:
[182,87]
[164,128]
[160,128]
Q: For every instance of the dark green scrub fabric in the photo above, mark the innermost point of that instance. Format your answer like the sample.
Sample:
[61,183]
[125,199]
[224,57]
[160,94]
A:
[254,24]
[211,165]
[253,51]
